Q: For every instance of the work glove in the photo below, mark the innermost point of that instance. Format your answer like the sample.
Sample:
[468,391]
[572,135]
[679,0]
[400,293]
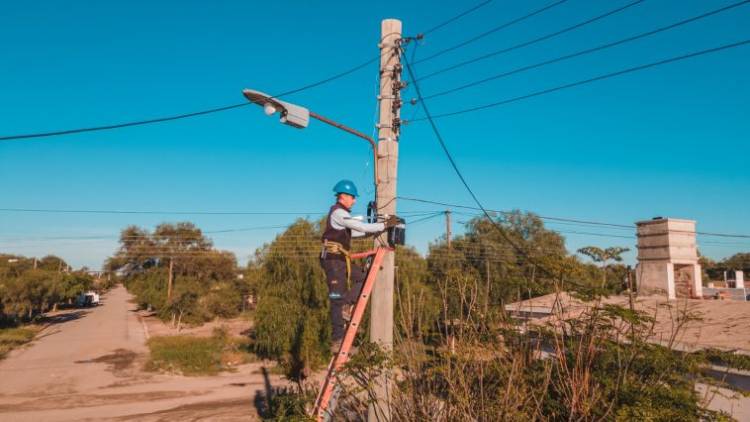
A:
[391,221]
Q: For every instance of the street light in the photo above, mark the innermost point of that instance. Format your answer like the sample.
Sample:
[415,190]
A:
[299,117]
[291,114]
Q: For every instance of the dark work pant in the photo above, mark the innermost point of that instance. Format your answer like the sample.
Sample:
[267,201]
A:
[338,295]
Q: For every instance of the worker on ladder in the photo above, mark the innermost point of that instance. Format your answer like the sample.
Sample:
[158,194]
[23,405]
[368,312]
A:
[344,278]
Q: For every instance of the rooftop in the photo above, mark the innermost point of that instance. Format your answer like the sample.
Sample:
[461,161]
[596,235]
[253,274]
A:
[722,324]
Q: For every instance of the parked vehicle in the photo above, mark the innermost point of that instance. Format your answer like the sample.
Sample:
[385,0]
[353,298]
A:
[87,299]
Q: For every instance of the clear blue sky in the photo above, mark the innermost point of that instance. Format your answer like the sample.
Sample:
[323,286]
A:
[669,141]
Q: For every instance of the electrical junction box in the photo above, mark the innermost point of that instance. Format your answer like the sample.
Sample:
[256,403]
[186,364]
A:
[397,235]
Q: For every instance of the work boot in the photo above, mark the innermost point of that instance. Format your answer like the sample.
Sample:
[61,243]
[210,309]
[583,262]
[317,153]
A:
[346,312]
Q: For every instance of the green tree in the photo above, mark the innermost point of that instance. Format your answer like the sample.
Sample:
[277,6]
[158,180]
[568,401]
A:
[603,256]
[184,305]
[509,260]
[292,321]
[30,294]
[155,264]
[52,263]
[417,303]
[739,261]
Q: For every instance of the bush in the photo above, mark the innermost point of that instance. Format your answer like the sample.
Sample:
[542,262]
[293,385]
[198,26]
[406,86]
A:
[197,355]
[291,320]
[289,405]
[222,300]
[10,338]
[203,279]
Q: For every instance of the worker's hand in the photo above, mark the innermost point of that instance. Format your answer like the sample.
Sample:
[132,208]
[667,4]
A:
[391,221]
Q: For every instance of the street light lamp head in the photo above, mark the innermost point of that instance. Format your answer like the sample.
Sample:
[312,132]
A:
[269,109]
[291,114]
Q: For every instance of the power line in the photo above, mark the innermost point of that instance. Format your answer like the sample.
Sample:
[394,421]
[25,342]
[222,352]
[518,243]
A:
[457,17]
[588,50]
[594,79]
[122,125]
[437,214]
[85,211]
[738,236]
[69,211]
[461,177]
[568,220]
[489,32]
[185,115]
[530,42]
[595,234]
[221,108]
[151,236]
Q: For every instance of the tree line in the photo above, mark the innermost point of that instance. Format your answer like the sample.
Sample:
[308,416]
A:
[459,355]
[176,272]
[455,341]
[714,270]
[31,286]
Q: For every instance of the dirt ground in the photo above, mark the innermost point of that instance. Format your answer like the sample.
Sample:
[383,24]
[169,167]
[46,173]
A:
[86,365]
[155,327]
[721,324]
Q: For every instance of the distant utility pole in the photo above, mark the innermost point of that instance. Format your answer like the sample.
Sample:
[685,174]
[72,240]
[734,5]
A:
[170,279]
[448,233]
[381,317]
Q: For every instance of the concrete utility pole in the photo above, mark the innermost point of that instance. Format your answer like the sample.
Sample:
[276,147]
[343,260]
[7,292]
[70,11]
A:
[448,233]
[381,317]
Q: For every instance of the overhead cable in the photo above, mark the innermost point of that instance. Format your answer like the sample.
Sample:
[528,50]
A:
[588,50]
[590,80]
[530,42]
[457,17]
[89,211]
[185,115]
[439,137]
[489,32]
[221,108]
[569,220]
[82,211]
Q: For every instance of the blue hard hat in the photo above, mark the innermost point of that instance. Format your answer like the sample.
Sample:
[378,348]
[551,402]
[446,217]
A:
[345,186]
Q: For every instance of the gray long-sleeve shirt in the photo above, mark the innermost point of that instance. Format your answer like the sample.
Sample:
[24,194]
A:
[341,219]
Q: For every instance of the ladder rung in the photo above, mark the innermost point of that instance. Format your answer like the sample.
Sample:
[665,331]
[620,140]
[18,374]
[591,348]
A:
[340,358]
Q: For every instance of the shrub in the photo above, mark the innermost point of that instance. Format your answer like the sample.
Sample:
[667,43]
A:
[292,322]
[222,300]
[10,338]
[189,355]
[289,405]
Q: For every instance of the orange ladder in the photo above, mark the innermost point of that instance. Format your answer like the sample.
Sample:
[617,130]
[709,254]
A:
[339,359]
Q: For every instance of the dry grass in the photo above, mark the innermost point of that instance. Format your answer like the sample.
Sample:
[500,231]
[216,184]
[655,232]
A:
[11,338]
[194,356]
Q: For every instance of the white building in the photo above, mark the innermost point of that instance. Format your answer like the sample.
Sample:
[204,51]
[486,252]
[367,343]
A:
[668,258]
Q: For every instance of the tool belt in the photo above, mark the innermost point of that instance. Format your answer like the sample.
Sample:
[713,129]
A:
[336,248]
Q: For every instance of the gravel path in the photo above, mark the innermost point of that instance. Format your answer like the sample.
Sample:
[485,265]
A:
[87,366]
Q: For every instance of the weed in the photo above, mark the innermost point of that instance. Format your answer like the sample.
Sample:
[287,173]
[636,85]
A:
[10,338]
[197,355]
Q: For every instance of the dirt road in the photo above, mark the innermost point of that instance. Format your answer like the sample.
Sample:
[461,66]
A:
[87,366]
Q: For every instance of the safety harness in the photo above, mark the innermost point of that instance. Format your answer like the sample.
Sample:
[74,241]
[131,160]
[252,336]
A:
[336,248]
